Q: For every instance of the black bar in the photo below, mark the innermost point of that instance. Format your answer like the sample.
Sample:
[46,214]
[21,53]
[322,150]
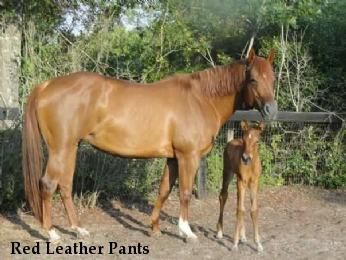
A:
[9,113]
[202,179]
[285,116]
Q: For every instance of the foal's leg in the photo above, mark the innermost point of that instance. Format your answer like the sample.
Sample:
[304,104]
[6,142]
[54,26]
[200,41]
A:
[57,164]
[240,211]
[168,179]
[65,186]
[254,213]
[227,177]
[188,165]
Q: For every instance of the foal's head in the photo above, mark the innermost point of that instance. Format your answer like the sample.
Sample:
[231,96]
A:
[259,92]
[251,137]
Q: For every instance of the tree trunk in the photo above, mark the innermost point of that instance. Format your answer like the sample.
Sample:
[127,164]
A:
[10,52]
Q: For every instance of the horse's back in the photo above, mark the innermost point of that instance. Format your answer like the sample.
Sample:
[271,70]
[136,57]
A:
[125,118]
[234,148]
[68,106]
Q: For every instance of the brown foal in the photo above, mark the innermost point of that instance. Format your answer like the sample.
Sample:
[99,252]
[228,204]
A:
[241,157]
[177,118]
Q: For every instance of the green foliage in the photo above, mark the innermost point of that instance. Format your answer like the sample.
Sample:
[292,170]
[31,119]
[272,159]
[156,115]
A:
[270,176]
[214,170]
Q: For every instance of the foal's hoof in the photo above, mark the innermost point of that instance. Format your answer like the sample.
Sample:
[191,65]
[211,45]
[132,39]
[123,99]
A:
[259,248]
[219,235]
[243,239]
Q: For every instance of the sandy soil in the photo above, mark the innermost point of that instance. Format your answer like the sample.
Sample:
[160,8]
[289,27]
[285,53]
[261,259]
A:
[295,223]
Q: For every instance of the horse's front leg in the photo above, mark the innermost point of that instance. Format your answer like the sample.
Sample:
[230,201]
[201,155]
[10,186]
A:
[188,164]
[168,179]
[65,186]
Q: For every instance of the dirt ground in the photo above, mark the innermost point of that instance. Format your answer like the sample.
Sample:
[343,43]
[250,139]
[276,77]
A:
[295,223]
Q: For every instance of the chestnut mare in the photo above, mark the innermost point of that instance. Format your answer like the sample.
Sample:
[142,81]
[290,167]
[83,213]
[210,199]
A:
[241,158]
[177,118]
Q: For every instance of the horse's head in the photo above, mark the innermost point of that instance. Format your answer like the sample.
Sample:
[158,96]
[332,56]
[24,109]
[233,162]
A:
[251,137]
[258,90]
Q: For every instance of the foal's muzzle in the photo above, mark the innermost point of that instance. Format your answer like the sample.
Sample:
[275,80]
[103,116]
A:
[269,111]
[246,160]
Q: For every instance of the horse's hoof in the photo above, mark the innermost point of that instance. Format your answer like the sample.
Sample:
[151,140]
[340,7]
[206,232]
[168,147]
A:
[243,239]
[219,235]
[53,236]
[259,248]
[82,232]
[235,248]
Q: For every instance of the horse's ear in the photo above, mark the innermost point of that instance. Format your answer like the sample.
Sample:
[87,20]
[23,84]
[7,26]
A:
[271,56]
[252,56]
[260,127]
[244,125]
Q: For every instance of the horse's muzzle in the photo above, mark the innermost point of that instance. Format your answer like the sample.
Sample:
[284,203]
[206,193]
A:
[246,160]
[269,111]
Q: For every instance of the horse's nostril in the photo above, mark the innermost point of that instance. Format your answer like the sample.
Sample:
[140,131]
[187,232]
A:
[246,160]
[267,108]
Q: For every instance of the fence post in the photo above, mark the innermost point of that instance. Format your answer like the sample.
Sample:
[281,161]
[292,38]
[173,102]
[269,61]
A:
[202,179]
[230,134]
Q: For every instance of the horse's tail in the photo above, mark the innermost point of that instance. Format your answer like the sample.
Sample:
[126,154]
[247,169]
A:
[32,155]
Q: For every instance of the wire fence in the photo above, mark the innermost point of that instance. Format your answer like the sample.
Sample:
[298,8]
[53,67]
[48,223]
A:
[291,153]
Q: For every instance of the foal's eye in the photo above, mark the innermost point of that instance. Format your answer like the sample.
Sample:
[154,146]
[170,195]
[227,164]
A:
[253,81]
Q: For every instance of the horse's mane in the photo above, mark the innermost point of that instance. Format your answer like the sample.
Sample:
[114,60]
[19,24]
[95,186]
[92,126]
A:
[218,81]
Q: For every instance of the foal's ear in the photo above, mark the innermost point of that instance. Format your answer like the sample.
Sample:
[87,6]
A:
[244,125]
[271,56]
[260,127]
[252,56]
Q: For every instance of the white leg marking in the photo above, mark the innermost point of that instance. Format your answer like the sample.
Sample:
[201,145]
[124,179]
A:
[243,239]
[219,234]
[83,231]
[53,236]
[184,227]
[259,247]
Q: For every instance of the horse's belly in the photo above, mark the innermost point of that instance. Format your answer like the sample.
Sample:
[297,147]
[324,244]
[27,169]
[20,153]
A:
[138,144]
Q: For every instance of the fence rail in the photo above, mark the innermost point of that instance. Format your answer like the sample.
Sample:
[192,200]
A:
[9,113]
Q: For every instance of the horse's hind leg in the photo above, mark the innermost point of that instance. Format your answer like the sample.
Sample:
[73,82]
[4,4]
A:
[57,164]
[254,213]
[188,165]
[227,177]
[65,187]
[60,165]
[168,179]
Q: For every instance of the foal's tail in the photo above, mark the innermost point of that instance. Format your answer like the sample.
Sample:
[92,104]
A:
[32,155]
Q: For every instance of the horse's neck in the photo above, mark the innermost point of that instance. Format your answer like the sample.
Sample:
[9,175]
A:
[227,105]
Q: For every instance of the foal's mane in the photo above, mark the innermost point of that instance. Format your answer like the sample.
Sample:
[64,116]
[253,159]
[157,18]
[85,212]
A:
[218,81]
